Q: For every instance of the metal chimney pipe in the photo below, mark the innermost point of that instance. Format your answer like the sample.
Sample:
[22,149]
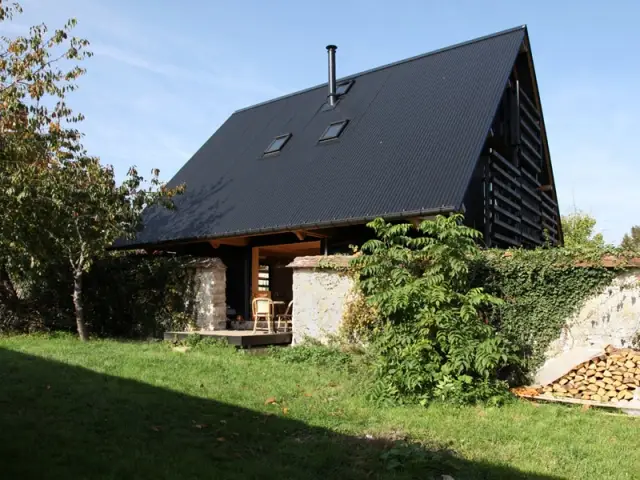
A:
[333,97]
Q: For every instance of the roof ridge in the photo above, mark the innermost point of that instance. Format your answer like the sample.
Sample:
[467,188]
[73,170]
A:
[389,65]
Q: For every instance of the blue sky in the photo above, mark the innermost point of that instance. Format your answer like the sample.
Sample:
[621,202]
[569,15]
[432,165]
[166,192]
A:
[166,74]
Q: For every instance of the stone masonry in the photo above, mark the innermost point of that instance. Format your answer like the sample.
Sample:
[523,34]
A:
[321,292]
[209,293]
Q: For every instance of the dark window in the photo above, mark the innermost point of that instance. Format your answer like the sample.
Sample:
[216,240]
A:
[277,143]
[344,87]
[334,130]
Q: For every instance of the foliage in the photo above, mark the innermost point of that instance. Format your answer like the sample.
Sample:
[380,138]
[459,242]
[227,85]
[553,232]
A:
[578,229]
[358,319]
[60,206]
[36,124]
[432,339]
[541,289]
[86,212]
[631,241]
[131,296]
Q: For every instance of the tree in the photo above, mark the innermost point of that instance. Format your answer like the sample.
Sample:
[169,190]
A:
[578,228]
[86,212]
[35,127]
[60,204]
[631,241]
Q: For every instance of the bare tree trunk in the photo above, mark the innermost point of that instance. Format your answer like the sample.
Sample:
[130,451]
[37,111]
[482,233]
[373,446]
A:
[77,303]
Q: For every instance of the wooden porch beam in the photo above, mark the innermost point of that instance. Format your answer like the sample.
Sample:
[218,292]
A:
[302,234]
[233,241]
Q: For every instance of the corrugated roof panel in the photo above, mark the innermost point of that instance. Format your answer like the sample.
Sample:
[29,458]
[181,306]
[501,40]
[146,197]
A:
[415,132]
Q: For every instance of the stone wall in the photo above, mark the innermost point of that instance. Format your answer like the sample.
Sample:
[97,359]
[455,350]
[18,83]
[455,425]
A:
[209,294]
[321,291]
[610,318]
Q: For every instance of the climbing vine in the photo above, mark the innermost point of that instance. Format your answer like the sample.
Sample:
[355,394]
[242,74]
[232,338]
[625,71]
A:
[540,290]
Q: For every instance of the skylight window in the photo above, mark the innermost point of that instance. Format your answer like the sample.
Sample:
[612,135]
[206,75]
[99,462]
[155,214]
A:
[344,87]
[277,143]
[333,130]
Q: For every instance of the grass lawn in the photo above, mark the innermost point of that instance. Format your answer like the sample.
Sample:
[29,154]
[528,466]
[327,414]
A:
[121,410]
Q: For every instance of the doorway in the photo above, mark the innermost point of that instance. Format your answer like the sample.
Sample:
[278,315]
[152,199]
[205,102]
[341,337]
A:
[269,271]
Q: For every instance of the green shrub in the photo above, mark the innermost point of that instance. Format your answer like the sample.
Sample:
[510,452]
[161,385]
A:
[358,319]
[432,339]
[125,295]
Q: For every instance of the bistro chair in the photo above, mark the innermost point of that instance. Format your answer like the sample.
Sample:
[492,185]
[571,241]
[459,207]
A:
[287,318]
[262,308]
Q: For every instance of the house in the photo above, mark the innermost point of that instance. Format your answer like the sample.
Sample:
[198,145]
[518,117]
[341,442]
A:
[457,129]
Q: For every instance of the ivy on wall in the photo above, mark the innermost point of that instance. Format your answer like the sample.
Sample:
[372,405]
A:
[541,290]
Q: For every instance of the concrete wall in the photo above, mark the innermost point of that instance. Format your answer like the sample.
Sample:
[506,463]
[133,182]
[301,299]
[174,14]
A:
[321,291]
[209,294]
[610,318]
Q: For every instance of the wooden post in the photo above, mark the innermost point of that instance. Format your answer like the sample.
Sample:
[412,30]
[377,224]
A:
[255,270]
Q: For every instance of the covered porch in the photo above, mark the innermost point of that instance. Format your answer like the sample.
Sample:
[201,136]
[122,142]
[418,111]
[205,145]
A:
[230,272]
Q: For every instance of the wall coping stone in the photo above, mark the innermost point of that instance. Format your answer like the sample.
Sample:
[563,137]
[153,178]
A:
[206,262]
[328,262]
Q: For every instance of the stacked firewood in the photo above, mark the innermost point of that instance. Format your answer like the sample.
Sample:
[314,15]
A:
[611,377]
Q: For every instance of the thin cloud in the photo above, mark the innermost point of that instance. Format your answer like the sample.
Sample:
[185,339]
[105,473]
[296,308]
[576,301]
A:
[176,72]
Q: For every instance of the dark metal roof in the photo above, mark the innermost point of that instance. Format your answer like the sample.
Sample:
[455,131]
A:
[416,129]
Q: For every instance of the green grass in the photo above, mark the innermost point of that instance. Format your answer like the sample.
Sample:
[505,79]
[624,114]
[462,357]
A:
[122,410]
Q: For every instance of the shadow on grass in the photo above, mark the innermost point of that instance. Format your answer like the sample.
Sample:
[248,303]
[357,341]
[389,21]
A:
[64,422]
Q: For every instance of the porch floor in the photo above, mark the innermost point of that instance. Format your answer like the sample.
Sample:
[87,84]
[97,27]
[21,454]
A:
[238,338]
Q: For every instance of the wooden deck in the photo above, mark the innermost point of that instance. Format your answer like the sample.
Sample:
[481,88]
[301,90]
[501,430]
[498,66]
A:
[238,338]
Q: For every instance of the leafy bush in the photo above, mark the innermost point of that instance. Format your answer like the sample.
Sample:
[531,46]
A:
[432,339]
[130,296]
[358,318]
